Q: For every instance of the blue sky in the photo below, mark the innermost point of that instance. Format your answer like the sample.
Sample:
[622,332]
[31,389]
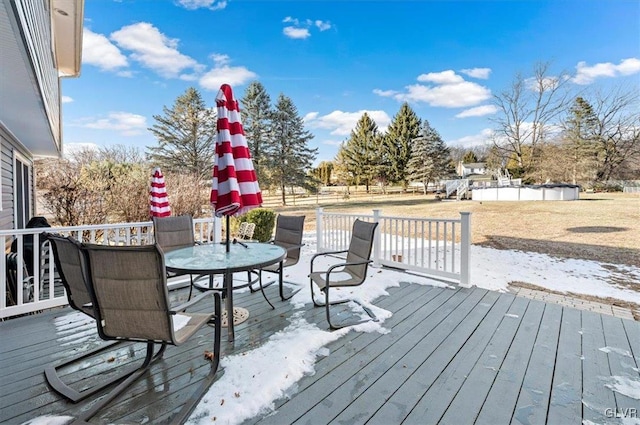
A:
[338,59]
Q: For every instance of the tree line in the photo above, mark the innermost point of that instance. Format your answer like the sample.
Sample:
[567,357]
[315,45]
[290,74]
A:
[542,132]
[112,184]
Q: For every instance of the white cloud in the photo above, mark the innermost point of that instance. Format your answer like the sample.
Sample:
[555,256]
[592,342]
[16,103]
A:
[97,50]
[125,123]
[220,59]
[447,89]
[310,116]
[478,111]
[207,4]
[302,29]
[444,77]
[587,74]
[296,33]
[480,139]
[153,49]
[447,95]
[66,99]
[322,25]
[341,123]
[223,73]
[385,93]
[481,73]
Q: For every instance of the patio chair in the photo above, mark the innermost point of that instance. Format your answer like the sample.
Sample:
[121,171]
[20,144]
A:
[352,272]
[128,288]
[289,230]
[70,264]
[175,233]
[246,230]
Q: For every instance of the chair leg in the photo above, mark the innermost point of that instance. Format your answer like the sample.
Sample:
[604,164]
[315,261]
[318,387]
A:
[193,400]
[190,287]
[281,285]
[73,395]
[122,386]
[327,303]
[262,289]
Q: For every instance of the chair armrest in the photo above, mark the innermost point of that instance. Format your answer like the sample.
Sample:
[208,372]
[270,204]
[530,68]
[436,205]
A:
[356,263]
[313,258]
[291,248]
[341,266]
[182,307]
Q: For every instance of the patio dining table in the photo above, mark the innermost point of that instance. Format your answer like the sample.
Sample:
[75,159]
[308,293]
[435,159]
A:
[212,259]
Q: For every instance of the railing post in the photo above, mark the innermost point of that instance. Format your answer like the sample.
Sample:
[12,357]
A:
[376,239]
[319,232]
[465,249]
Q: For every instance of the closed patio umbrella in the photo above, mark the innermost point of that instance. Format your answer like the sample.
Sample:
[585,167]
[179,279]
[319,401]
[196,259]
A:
[234,189]
[158,199]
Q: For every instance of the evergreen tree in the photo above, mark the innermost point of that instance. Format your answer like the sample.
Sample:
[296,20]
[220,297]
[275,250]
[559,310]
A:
[361,153]
[579,140]
[289,155]
[186,136]
[404,128]
[323,172]
[256,119]
[469,157]
[430,158]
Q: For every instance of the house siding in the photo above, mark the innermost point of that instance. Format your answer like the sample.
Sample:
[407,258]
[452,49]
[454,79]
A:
[8,145]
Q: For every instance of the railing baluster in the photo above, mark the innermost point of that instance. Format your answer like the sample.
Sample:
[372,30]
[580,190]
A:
[444,262]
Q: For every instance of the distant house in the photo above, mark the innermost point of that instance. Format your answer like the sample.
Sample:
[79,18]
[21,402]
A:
[465,170]
[40,43]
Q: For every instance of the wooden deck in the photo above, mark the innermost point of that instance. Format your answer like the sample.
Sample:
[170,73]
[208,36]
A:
[463,356]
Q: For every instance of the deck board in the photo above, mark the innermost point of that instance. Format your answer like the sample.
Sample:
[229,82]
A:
[459,356]
[621,360]
[565,402]
[506,387]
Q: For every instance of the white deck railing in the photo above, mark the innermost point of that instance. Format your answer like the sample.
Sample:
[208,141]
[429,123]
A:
[434,246]
[43,289]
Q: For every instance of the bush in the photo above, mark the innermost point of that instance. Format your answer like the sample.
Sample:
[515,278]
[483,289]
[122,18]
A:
[264,219]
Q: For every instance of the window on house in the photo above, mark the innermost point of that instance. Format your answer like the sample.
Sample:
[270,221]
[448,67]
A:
[21,178]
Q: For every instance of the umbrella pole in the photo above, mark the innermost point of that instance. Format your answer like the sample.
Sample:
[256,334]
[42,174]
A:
[227,232]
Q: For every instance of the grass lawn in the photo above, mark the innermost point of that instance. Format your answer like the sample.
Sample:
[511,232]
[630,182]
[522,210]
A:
[603,227]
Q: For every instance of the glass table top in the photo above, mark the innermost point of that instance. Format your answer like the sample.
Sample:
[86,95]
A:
[213,258]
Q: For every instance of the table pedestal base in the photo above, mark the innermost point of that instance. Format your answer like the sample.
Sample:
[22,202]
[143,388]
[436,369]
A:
[239,315]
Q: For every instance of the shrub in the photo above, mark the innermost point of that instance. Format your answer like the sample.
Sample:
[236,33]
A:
[264,219]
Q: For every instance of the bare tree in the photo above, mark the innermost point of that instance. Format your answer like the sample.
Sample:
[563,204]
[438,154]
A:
[527,111]
[64,194]
[188,194]
[617,133]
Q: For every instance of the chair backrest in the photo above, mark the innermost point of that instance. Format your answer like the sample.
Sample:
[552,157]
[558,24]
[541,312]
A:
[128,287]
[289,230]
[246,230]
[173,232]
[360,247]
[71,265]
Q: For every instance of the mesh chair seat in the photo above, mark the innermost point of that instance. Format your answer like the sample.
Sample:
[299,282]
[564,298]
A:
[320,279]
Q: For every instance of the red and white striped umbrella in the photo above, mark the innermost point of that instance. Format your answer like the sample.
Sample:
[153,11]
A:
[158,199]
[234,189]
